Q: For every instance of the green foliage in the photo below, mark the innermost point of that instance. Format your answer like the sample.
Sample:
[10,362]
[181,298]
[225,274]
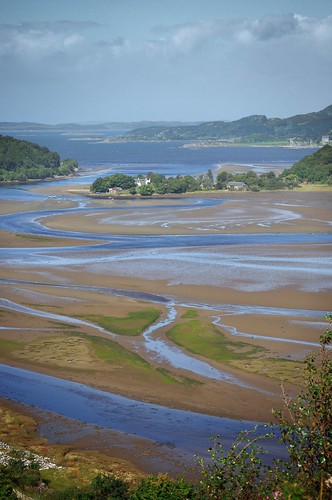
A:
[306,422]
[145,190]
[6,486]
[160,184]
[102,487]
[305,425]
[163,488]
[191,313]
[237,474]
[22,161]
[19,474]
[109,487]
[133,324]
[316,167]
[205,339]
[255,128]
[266,181]
[108,350]
[103,184]
[67,167]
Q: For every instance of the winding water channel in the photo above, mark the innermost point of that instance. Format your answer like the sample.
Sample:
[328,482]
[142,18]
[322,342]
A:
[187,431]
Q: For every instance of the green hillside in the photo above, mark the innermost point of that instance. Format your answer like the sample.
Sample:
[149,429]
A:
[22,161]
[316,167]
[256,128]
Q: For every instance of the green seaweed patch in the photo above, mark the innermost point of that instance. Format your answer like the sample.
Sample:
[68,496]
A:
[133,324]
[33,237]
[108,350]
[170,378]
[191,313]
[7,346]
[279,368]
[63,326]
[206,340]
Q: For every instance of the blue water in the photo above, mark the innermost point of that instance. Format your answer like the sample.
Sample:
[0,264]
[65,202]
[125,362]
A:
[98,407]
[167,158]
[186,431]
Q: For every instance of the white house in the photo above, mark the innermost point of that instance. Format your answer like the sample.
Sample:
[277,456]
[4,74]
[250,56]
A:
[142,181]
[236,186]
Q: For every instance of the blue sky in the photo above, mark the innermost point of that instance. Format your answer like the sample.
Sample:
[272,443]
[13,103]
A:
[188,60]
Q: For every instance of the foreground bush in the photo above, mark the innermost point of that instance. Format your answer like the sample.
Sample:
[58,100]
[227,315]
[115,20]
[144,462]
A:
[163,488]
[305,425]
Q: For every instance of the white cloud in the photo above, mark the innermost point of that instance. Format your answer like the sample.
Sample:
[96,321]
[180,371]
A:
[188,37]
[203,69]
[82,39]
[37,40]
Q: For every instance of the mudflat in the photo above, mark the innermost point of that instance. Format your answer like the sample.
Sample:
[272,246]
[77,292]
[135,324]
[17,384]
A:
[261,307]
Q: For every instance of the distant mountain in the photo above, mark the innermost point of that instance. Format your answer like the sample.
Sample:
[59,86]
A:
[89,127]
[256,128]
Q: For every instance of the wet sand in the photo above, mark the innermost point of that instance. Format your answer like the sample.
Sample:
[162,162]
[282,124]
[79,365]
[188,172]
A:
[248,212]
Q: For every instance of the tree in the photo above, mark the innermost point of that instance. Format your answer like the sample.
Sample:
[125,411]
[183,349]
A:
[306,422]
[291,180]
[222,179]
[145,190]
[163,488]
[316,167]
[100,185]
[305,426]
[121,180]
[23,160]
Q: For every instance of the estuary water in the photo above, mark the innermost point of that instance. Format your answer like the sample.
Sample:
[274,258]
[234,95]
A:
[175,256]
[167,158]
[185,432]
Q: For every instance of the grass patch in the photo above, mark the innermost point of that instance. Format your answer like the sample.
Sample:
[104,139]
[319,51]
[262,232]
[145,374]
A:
[191,313]
[313,187]
[7,346]
[63,326]
[206,340]
[133,324]
[110,351]
[169,378]
[32,237]
[281,369]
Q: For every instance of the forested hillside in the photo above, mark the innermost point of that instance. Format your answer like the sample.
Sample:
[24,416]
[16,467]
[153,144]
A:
[251,129]
[22,161]
[316,167]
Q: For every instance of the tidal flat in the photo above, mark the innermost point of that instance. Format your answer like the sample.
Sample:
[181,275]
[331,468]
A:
[230,291]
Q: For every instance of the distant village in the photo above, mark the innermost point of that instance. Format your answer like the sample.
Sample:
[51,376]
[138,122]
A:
[300,143]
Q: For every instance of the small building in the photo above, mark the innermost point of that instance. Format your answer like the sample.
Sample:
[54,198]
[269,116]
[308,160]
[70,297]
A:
[115,190]
[236,186]
[142,181]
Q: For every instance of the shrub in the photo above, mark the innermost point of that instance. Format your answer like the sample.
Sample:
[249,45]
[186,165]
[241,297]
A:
[306,423]
[305,426]
[163,488]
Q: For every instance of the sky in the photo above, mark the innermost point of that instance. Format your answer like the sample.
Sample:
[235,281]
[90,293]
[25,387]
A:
[88,61]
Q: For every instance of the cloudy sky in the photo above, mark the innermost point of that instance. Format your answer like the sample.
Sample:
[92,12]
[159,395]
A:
[188,60]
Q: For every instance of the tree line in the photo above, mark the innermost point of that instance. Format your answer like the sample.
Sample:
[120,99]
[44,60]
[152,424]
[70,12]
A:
[314,168]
